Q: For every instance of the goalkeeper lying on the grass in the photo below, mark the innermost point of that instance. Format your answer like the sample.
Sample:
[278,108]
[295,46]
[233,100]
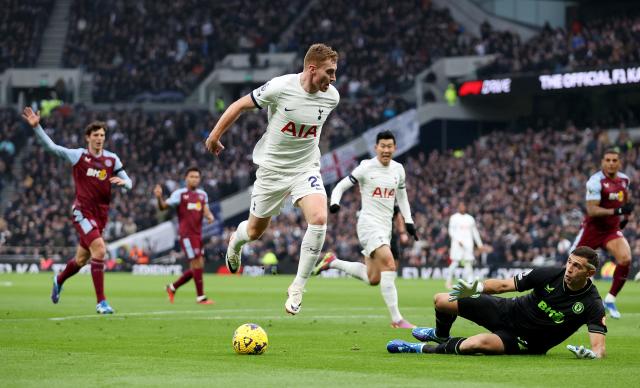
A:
[562,300]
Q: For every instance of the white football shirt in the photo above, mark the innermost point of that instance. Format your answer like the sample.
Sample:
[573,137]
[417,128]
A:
[462,228]
[378,187]
[295,123]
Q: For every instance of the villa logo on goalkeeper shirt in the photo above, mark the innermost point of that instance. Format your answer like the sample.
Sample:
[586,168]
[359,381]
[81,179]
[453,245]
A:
[302,131]
[100,174]
[386,193]
[578,308]
[197,206]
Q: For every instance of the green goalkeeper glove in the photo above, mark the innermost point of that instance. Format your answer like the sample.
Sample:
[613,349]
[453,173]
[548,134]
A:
[582,352]
[464,290]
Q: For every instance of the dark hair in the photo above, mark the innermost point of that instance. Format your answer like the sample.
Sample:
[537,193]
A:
[587,253]
[95,126]
[385,135]
[612,150]
[190,169]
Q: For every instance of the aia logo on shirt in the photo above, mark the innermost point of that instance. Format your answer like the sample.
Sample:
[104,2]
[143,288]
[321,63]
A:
[383,193]
[100,174]
[301,131]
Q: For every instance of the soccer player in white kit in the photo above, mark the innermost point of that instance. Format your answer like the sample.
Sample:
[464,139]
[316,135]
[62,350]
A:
[382,182]
[462,232]
[288,158]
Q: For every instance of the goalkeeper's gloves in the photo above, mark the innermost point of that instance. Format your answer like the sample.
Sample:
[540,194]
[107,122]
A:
[582,352]
[334,208]
[464,290]
[411,230]
[627,208]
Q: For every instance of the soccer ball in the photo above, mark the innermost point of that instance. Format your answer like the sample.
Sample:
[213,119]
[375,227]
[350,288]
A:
[250,339]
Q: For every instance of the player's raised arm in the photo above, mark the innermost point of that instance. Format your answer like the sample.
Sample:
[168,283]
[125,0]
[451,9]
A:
[33,119]
[345,184]
[229,116]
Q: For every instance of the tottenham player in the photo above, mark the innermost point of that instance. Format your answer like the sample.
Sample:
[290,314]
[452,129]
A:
[463,232]
[562,300]
[382,181]
[94,171]
[608,207]
[191,204]
[288,158]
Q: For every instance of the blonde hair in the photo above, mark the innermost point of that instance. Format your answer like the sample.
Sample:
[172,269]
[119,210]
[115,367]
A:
[319,53]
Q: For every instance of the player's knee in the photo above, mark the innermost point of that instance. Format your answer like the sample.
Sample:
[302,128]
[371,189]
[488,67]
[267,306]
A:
[82,261]
[98,250]
[440,300]
[624,259]
[317,218]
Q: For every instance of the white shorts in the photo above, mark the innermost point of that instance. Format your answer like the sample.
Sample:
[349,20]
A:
[461,254]
[372,238]
[272,188]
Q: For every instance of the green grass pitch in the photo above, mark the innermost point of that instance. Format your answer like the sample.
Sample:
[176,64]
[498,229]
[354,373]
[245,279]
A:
[338,339]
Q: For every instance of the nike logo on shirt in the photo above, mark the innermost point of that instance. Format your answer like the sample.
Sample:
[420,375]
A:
[288,110]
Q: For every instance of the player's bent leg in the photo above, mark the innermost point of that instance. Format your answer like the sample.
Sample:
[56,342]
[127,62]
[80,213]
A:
[442,304]
[72,268]
[249,230]
[485,343]
[620,250]
[352,268]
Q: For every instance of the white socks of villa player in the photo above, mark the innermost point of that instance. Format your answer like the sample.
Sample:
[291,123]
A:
[390,293]
[310,248]
[353,268]
[242,237]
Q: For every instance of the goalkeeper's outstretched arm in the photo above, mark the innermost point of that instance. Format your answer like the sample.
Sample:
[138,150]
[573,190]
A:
[498,286]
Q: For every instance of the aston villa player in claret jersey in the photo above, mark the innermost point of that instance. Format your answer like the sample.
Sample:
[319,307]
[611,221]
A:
[95,170]
[608,209]
[191,204]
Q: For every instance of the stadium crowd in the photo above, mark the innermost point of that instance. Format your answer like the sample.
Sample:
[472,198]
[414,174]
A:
[160,51]
[599,43]
[21,27]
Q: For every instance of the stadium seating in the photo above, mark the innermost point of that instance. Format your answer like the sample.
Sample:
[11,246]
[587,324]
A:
[21,27]
[164,49]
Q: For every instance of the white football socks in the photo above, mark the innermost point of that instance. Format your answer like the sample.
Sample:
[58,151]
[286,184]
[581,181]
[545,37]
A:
[452,271]
[242,237]
[390,293]
[356,269]
[610,298]
[468,271]
[310,248]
